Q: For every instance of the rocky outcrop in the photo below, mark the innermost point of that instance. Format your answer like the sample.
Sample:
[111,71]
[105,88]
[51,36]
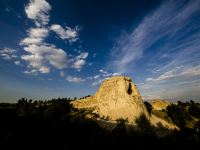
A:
[158,104]
[117,97]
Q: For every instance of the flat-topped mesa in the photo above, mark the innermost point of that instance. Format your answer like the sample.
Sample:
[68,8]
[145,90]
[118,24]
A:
[118,97]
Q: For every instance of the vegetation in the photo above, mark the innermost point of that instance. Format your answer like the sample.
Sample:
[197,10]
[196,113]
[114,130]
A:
[55,124]
[184,115]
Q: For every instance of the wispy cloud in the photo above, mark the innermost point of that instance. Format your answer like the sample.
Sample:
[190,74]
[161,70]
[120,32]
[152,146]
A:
[62,73]
[103,74]
[74,79]
[97,82]
[164,30]
[80,60]
[179,72]
[166,44]
[66,33]
[18,63]
[8,53]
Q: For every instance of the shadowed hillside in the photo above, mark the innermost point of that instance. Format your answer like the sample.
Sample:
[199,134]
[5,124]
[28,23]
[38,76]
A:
[55,124]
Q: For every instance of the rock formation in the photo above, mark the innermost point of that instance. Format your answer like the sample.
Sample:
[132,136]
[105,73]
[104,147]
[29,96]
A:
[158,104]
[117,97]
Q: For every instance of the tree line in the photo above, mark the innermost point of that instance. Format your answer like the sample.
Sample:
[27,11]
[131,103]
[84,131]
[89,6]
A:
[55,124]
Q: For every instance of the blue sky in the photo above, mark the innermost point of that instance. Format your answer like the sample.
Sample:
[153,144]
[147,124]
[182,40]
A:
[58,48]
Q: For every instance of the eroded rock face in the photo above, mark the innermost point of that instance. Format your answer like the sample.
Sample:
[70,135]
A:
[158,104]
[118,97]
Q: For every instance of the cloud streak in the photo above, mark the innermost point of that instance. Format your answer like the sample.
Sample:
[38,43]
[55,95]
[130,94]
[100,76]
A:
[8,53]
[74,79]
[166,44]
[171,21]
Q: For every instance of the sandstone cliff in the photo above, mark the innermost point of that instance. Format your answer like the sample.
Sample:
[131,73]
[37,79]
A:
[119,98]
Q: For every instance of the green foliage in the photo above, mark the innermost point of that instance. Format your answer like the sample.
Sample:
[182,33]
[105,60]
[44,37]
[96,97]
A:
[194,109]
[182,113]
[175,113]
[144,126]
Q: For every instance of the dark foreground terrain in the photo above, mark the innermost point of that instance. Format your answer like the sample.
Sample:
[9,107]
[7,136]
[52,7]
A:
[55,124]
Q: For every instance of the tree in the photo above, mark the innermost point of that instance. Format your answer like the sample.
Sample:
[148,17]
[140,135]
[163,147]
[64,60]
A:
[144,126]
[179,114]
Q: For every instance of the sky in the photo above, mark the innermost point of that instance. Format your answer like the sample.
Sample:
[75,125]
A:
[66,48]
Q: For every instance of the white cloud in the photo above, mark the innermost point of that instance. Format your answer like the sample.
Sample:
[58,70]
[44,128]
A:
[104,75]
[29,40]
[180,83]
[192,71]
[80,60]
[6,56]
[38,32]
[66,33]
[116,74]
[36,36]
[79,63]
[96,77]
[44,69]
[38,10]
[18,63]
[186,90]
[178,72]
[74,79]
[107,75]
[36,62]
[32,71]
[42,55]
[8,53]
[62,73]
[103,71]
[98,81]
[82,55]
